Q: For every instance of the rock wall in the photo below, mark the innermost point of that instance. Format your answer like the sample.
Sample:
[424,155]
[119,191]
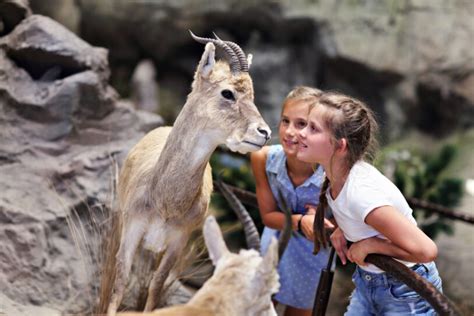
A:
[411,60]
[61,130]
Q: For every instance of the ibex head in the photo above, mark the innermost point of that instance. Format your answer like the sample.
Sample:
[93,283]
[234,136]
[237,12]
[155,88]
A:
[229,109]
[248,278]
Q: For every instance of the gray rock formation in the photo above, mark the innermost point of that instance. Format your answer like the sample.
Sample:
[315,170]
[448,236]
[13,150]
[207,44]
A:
[412,61]
[61,130]
[65,11]
[11,13]
[144,88]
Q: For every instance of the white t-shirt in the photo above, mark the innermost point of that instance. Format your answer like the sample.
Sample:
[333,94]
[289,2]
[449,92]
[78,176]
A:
[366,189]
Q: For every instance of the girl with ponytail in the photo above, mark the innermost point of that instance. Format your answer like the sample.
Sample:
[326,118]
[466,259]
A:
[368,208]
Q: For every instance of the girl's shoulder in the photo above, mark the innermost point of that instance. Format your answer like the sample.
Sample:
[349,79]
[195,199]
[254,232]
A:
[365,172]
[276,159]
[366,177]
[260,154]
[275,150]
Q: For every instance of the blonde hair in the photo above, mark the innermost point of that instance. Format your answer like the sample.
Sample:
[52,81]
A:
[350,119]
[302,93]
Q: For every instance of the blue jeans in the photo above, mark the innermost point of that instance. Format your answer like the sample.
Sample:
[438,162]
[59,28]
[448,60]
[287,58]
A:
[381,294]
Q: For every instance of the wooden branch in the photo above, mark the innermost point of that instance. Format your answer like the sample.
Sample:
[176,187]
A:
[441,210]
[417,283]
[247,197]
[425,289]
[250,199]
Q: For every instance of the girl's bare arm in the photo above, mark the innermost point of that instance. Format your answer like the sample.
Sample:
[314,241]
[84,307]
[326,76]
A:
[405,240]
[269,212]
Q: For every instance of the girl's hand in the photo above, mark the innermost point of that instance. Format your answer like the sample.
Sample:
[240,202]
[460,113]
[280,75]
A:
[339,243]
[329,225]
[310,209]
[359,250]
[307,226]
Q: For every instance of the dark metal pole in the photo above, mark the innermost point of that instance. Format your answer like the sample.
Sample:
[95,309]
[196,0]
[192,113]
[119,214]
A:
[324,286]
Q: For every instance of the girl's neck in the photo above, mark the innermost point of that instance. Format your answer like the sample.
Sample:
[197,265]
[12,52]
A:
[337,174]
[298,171]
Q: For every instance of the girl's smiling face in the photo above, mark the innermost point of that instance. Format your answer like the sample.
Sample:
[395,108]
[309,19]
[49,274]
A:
[293,120]
[315,140]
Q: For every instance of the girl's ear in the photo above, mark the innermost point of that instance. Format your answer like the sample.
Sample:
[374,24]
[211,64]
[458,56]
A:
[341,146]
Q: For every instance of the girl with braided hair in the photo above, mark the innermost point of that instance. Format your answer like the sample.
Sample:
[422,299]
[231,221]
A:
[369,209]
[283,181]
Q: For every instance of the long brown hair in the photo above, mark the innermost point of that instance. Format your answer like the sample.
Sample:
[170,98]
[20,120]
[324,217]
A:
[350,119]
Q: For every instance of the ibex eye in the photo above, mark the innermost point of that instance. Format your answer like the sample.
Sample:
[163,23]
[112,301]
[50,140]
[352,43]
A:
[227,94]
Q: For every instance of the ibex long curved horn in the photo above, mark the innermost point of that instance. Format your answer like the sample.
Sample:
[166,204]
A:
[251,233]
[244,66]
[231,55]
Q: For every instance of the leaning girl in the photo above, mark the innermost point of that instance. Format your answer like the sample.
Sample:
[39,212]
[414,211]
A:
[368,208]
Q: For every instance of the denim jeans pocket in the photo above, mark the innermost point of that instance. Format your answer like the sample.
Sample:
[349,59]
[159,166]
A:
[401,292]
[421,269]
[435,279]
[355,276]
[430,273]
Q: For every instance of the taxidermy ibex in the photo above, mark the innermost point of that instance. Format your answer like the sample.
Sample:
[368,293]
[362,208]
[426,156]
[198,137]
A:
[165,183]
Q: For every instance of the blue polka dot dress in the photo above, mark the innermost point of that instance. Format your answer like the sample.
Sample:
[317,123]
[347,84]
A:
[299,269]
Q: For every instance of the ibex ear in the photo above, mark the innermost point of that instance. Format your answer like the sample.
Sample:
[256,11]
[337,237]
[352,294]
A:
[214,240]
[270,260]
[267,276]
[208,61]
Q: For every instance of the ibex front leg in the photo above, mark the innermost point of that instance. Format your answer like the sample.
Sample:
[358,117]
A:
[132,234]
[168,261]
